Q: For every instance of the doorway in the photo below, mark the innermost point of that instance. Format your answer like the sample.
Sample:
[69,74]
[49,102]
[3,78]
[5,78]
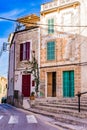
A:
[51,84]
[26,83]
[68,84]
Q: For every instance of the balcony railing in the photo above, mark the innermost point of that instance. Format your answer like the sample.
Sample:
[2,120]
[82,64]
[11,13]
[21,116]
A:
[56,3]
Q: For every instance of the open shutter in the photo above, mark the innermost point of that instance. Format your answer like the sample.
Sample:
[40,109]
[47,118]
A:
[21,52]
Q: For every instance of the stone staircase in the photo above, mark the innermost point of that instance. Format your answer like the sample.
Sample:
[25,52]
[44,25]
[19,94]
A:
[64,111]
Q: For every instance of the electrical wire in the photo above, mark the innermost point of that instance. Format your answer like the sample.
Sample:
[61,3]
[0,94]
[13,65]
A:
[12,20]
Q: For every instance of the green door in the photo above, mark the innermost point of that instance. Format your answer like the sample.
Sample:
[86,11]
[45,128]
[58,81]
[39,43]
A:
[68,84]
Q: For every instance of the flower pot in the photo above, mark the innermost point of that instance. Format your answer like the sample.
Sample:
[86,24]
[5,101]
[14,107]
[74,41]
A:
[32,97]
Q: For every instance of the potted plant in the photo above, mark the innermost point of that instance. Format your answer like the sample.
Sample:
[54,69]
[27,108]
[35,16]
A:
[32,96]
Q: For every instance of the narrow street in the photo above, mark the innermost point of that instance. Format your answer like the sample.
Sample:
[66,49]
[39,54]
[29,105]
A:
[12,118]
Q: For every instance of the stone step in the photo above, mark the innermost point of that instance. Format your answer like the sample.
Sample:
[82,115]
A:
[65,111]
[68,106]
[71,119]
[73,112]
[52,100]
[69,126]
[62,101]
[64,120]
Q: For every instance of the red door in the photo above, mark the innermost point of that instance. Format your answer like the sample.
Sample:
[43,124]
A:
[26,81]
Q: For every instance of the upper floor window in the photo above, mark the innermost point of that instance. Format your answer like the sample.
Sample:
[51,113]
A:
[50,26]
[51,50]
[25,51]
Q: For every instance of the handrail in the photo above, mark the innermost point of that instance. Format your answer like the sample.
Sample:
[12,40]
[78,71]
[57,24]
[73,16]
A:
[79,95]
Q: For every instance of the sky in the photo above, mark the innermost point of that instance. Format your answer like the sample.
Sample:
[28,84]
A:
[13,9]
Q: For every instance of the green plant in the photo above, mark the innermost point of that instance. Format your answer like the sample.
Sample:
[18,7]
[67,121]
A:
[35,71]
[32,93]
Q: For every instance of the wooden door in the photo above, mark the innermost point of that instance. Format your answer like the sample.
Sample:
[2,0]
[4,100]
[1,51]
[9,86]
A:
[26,83]
[49,84]
[68,84]
[53,84]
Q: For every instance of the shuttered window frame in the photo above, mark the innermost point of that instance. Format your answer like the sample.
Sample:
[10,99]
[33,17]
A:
[25,51]
[50,26]
[51,50]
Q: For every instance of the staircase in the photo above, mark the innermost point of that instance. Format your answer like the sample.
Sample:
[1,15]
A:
[64,111]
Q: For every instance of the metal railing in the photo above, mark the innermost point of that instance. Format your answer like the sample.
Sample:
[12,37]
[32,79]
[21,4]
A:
[79,95]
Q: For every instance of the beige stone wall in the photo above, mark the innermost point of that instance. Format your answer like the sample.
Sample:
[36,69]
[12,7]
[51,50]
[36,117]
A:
[67,50]
[71,13]
[59,79]
[67,57]
[31,36]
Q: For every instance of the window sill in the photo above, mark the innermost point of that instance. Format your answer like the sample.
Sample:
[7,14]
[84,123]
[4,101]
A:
[25,61]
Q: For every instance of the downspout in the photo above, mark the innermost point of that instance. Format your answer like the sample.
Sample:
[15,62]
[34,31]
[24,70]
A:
[8,77]
[39,39]
[14,73]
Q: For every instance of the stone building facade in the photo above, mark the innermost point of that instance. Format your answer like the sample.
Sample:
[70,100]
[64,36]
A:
[25,44]
[23,76]
[62,48]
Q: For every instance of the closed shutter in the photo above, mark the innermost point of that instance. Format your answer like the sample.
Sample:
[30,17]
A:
[50,26]
[27,50]
[68,84]
[21,52]
[51,50]
[65,84]
[71,77]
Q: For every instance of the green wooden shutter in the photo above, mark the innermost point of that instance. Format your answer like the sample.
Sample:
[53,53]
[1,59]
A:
[50,26]
[65,84]
[71,77]
[50,50]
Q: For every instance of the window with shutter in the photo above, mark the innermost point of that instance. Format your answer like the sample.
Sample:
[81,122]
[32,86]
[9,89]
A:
[21,52]
[50,26]
[25,51]
[51,50]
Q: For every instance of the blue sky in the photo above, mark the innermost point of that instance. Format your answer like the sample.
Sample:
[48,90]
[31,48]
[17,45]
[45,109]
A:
[14,9]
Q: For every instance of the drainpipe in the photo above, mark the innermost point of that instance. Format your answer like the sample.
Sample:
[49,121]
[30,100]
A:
[14,73]
[39,39]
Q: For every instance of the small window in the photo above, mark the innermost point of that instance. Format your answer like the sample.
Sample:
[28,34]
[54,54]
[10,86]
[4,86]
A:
[50,50]
[50,26]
